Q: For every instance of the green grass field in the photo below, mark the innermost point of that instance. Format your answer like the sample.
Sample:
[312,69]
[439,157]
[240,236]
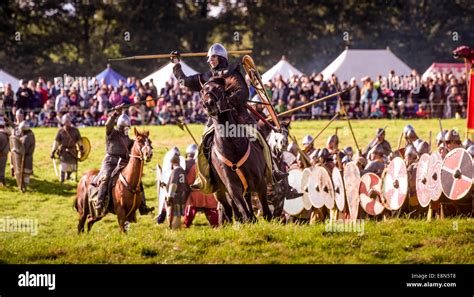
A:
[57,241]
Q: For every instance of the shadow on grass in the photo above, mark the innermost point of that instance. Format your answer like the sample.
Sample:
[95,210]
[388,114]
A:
[43,186]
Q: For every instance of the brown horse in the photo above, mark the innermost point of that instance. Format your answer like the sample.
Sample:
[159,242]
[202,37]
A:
[126,195]
[238,164]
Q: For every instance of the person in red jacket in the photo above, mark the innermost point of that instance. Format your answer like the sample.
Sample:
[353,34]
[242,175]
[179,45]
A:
[197,201]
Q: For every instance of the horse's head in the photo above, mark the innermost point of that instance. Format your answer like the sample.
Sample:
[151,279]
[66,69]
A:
[213,96]
[278,141]
[142,148]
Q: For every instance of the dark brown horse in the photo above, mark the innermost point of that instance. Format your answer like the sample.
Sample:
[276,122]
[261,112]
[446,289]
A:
[126,195]
[237,160]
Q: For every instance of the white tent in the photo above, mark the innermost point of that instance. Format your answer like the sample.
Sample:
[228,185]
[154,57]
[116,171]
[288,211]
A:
[165,73]
[283,68]
[364,62]
[6,78]
[457,69]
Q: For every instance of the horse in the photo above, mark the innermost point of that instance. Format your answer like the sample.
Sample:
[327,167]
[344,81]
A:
[237,162]
[125,195]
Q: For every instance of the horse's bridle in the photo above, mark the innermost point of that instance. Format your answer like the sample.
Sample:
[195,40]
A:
[217,98]
[141,157]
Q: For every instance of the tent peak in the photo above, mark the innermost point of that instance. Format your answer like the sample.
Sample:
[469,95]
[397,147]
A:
[283,58]
[108,65]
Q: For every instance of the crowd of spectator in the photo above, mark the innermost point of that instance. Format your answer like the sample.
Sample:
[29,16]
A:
[89,101]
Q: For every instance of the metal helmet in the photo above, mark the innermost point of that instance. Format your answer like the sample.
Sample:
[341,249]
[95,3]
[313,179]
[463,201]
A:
[24,126]
[216,49]
[470,150]
[440,136]
[467,143]
[417,142]
[423,148]
[408,128]
[452,136]
[346,159]
[191,149]
[2,121]
[333,139]
[176,150]
[411,134]
[378,149]
[381,131]
[66,118]
[349,151]
[123,121]
[292,148]
[324,153]
[307,139]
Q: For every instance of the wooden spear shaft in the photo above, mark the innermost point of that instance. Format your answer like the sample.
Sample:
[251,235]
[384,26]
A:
[167,56]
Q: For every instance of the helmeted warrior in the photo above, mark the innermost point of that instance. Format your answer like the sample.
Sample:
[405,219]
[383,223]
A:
[27,137]
[467,143]
[118,146]
[423,148]
[66,142]
[380,140]
[377,162]
[237,93]
[177,192]
[453,140]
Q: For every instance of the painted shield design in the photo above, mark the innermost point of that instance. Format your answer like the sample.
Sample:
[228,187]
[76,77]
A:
[159,188]
[395,186]
[324,188]
[422,191]
[434,176]
[456,174]
[304,188]
[352,181]
[370,192]
[314,193]
[294,206]
[86,144]
[339,191]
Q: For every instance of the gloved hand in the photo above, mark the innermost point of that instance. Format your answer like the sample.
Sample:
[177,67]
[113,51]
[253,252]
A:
[175,57]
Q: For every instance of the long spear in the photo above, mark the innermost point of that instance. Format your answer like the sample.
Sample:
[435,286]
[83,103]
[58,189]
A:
[311,103]
[167,56]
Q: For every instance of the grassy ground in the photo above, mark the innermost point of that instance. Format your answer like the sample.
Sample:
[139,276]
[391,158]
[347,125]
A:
[48,202]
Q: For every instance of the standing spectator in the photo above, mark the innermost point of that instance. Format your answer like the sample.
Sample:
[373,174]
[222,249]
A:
[23,96]
[8,100]
[355,91]
[62,101]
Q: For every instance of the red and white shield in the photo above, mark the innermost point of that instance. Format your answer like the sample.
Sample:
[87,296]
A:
[324,190]
[395,186]
[456,174]
[370,192]
[339,191]
[294,206]
[351,181]
[423,192]
[434,176]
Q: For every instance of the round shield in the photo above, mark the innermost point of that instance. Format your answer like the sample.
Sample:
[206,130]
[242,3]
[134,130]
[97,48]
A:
[86,144]
[370,192]
[288,158]
[314,195]
[304,188]
[434,176]
[395,186]
[351,181]
[423,193]
[324,188]
[456,174]
[294,206]
[339,191]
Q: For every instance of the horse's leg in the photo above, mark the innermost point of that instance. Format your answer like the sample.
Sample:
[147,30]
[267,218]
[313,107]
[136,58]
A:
[225,211]
[91,222]
[121,218]
[262,196]
[235,192]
